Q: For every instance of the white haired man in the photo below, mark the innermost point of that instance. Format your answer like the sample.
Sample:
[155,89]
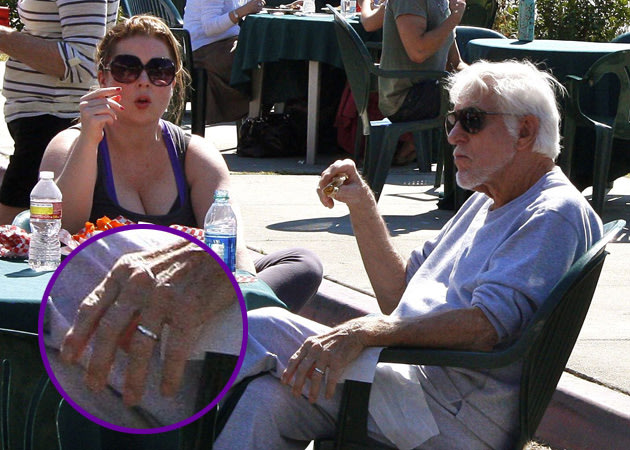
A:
[474,286]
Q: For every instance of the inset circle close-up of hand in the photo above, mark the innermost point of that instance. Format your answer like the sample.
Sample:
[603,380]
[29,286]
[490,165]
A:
[130,318]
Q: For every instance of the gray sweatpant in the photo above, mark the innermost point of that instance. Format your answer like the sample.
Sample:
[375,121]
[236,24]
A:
[268,416]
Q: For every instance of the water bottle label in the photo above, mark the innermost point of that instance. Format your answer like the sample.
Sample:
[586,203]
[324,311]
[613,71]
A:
[46,210]
[224,247]
[348,7]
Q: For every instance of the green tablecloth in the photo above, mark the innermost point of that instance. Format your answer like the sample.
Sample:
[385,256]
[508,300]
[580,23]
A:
[285,43]
[561,57]
[21,292]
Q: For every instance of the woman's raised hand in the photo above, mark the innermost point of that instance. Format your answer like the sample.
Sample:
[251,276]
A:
[98,108]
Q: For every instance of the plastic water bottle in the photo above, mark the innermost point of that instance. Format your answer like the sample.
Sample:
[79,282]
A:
[348,8]
[308,6]
[44,251]
[526,20]
[220,229]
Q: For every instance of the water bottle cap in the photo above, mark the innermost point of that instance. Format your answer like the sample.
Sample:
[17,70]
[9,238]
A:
[221,194]
[46,175]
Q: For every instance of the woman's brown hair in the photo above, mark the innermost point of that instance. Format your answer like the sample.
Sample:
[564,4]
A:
[150,26]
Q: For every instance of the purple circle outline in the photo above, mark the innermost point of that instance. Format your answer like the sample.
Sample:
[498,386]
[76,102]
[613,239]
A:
[198,414]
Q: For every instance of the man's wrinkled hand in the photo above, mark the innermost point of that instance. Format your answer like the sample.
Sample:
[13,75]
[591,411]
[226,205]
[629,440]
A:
[179,287]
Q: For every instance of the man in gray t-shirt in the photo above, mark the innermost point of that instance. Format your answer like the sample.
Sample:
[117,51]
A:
[417,35]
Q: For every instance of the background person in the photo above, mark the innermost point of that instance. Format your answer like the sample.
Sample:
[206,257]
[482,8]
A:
[51,65]
[213,27]
[125,160]
[475,286]
[372,14]
[417,35]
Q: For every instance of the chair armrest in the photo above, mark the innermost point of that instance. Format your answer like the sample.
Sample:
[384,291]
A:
[450,358]
[573,85]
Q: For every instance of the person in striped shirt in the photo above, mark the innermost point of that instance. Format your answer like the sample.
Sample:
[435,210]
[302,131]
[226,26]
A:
[50,66]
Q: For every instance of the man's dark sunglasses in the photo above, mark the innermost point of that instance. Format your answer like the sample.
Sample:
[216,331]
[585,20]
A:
[472,119]
[127,69]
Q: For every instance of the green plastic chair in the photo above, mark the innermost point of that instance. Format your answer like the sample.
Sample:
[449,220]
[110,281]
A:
[544,347]
[382,135]
[33,416]
[480,13]
[623,38]
[196,91]
[164,9]
[608,125]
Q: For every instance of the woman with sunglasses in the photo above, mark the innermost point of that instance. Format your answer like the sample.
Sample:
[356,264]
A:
[50,67]
[125,160]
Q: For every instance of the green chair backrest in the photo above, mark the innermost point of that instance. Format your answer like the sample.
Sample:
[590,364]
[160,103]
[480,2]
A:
[622,38]
[164,9]
[357,62]
[480,13]
[180,5]
[557,324]
[615,65]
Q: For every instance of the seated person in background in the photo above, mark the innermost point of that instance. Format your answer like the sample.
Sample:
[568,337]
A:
[124,160]
[417,35]
[474,286]
[213,27]
[347,120]
[50,66]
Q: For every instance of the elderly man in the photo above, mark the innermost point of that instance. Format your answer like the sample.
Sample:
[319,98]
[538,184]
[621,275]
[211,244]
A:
[474,286]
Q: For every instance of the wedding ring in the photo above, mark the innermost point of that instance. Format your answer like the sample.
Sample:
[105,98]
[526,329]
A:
[147,332]
[319,371]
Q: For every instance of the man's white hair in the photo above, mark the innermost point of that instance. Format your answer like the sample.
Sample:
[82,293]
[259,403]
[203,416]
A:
[519,88]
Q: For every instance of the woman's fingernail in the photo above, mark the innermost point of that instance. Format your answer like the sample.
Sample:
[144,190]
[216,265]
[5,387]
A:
[117,98]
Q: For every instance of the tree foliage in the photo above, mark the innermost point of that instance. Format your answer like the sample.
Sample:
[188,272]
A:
[578,20]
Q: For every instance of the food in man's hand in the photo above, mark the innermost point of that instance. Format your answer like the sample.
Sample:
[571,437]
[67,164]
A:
[332,188]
